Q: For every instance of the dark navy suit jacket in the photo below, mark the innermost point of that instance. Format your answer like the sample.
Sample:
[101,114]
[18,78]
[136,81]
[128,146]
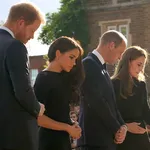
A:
[99,117]
[18,105]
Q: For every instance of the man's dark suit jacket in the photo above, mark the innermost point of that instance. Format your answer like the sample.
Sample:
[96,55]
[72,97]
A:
[99,117]
[18,105]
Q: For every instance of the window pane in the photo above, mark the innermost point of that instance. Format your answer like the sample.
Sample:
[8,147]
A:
[33,74]
[124,30]
[111,28]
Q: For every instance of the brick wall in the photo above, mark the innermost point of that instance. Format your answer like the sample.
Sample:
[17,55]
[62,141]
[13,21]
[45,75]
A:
[99,2]
[37,62]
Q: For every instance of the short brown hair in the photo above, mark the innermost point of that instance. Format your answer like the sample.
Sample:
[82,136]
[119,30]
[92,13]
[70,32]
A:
[113,36]
[26,11]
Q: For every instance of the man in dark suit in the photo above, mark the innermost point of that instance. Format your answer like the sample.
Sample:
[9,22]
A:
[100,120]
[19,108]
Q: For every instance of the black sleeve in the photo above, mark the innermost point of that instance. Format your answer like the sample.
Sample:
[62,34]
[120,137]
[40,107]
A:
[42,87]
[116,85]
[146,104]
[93,88]
[17,65]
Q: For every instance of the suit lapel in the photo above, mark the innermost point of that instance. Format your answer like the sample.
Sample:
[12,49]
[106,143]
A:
[95,58]
[104,72]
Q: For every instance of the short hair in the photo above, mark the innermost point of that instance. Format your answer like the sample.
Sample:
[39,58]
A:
[26,11]
[113,36]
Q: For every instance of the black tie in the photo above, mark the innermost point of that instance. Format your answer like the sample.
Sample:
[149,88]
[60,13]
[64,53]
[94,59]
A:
[104,66]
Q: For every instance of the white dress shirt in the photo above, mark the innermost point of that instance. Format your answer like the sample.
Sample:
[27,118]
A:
[99,56]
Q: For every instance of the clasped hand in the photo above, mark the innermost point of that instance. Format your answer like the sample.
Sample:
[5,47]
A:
[74,131]
[120,135]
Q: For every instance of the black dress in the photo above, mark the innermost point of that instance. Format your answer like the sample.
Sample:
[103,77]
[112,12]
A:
[134,109]
[54,91]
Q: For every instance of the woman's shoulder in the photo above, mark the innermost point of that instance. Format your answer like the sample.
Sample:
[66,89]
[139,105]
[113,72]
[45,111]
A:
[46,77]
[42,76]
[142,84]
[138,82]
[48,74]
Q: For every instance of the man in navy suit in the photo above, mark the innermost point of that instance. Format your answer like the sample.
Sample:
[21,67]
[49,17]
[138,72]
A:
[101,123]
[19,108]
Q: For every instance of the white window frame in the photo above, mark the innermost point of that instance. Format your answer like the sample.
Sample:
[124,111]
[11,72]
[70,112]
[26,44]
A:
[104,26]
[127,27]
[111,27]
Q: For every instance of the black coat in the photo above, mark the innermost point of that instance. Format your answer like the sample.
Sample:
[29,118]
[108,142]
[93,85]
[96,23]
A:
[99,117]
[18,105]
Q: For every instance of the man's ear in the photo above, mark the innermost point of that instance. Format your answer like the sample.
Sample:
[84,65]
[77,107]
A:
[111,45]
[20,24]
[58,54]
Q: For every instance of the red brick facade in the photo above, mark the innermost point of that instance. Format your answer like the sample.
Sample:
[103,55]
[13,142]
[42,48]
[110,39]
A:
[37,62]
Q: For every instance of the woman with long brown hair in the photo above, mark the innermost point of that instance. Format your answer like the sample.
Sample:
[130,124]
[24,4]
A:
[131,97]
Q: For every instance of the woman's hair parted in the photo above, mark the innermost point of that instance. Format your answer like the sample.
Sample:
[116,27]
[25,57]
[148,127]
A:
[122,69]
[63,44]
[76,75]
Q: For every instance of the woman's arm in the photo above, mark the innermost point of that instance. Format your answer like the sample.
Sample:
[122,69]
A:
[46,122]
[49,123]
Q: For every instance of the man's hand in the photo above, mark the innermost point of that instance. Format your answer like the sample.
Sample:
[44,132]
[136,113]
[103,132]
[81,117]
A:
[120,135]
[42,109]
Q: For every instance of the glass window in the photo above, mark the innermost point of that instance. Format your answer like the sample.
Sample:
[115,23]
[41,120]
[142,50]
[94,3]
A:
[112,28]
[124,30]
[33,75]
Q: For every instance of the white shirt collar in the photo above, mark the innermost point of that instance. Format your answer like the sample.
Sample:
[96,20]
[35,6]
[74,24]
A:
[99,56]
[8,30]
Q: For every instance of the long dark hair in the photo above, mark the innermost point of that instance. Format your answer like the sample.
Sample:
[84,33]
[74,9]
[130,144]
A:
[76,75]
[122,70]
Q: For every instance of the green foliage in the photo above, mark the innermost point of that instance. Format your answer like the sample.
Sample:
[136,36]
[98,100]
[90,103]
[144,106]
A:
[45,57]
[70,20]
[1,22]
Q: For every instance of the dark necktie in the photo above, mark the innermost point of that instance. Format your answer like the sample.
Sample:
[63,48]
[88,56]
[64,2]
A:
[104,66]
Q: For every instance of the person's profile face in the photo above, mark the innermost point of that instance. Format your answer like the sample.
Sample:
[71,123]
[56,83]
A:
[136,66]
[116,52]
[26,32]
[67,60]
[74,117]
